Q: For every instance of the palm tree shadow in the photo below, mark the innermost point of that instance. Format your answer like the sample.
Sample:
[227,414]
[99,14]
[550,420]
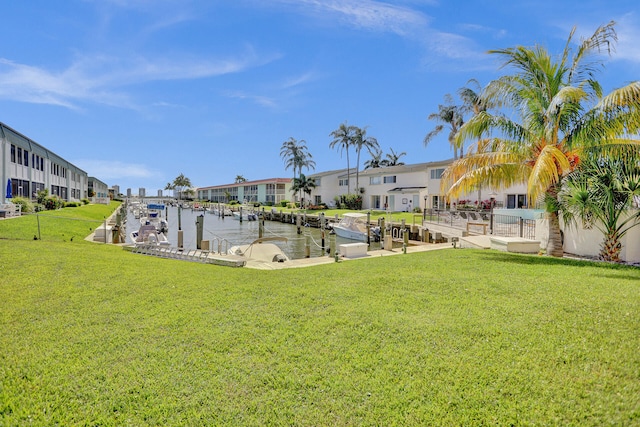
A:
[602,268]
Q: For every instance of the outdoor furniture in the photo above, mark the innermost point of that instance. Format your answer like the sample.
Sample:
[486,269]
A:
[478,224]
[473,216]
[463,215]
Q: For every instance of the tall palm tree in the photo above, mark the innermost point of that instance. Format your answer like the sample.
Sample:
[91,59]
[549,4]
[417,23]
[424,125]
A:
[296,156]
[169,186]
[375,160]
[342,140]
[360,140]
[303,184]
[472,101]
[558,115]
[180,183]
[600,192]
[393,158]
[240,179]
[449,115]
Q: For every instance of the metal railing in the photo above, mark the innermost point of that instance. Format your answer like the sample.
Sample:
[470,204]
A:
[491,223]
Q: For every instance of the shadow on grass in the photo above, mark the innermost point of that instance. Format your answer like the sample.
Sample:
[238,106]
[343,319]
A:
[602,267]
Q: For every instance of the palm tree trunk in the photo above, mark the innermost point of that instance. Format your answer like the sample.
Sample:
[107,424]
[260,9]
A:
[348,174]
[554,246]
[611,247]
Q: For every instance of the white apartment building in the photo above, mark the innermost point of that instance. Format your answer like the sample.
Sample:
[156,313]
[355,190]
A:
[405,187]
[27,167]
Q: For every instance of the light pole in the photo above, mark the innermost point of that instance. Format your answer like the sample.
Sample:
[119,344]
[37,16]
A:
[424,216]
[492,201]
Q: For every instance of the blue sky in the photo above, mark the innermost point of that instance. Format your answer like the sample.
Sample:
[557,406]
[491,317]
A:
[136,92]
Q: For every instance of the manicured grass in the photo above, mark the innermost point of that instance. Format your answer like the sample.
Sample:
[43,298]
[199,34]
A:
[58,225]
[94,335]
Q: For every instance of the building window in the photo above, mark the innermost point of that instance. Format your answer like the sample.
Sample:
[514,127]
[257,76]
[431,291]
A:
[374,180]
[438,202]
[516,201]
[19,155]
[26,158]
[343,182]
[13,153]
[317,182]
[436,173]
[390,179]
[375,202]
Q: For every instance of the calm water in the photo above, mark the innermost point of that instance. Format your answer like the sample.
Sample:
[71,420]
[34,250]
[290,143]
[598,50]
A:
[237,233]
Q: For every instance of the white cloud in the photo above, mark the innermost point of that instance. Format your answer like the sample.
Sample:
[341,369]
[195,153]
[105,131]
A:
[628,32]
[369,14]
[257,99]
[101,78]
[113,170]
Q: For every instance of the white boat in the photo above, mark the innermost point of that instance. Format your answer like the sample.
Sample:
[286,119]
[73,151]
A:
[352,226]
[246,216]
[154,217]
[221,211]
[149,235]
[261,250]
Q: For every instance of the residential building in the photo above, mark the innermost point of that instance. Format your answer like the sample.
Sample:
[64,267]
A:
[405,187]
[100,191]
[28,167]
[270,191]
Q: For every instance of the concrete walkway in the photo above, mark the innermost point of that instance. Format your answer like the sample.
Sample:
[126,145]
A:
[306,262]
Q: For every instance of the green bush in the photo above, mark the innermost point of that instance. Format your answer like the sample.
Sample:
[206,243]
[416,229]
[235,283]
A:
[85,201]
[72,204]
[25,204]
[53,202]
[351,201]
[41,196]
[284,203]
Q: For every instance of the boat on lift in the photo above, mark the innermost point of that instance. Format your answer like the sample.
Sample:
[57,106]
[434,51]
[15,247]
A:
[353,226]
[149,235]
[154,217]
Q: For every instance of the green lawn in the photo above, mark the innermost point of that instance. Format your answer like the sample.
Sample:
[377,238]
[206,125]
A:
[94,335]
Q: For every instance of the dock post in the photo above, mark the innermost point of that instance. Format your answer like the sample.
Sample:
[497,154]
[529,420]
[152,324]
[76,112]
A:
[332,244]
[382,232]
[368,229]
[298,220]
[322,228]
[307,244]
[261,227]
[199,227]
[405,237]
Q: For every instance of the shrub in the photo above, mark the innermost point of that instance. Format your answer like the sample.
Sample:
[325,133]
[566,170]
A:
[85,201]
[53,202]
[351,201]
[72,204]
[284,203]
[41,196]
[233,202]
[25,204]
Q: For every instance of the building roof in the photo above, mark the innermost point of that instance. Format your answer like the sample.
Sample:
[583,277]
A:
[416,167]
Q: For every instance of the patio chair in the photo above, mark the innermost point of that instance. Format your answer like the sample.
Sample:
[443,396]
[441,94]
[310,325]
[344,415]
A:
[473,216]
[463,215]
[484,216]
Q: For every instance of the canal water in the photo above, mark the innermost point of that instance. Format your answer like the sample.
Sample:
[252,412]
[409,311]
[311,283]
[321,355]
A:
[229,231]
